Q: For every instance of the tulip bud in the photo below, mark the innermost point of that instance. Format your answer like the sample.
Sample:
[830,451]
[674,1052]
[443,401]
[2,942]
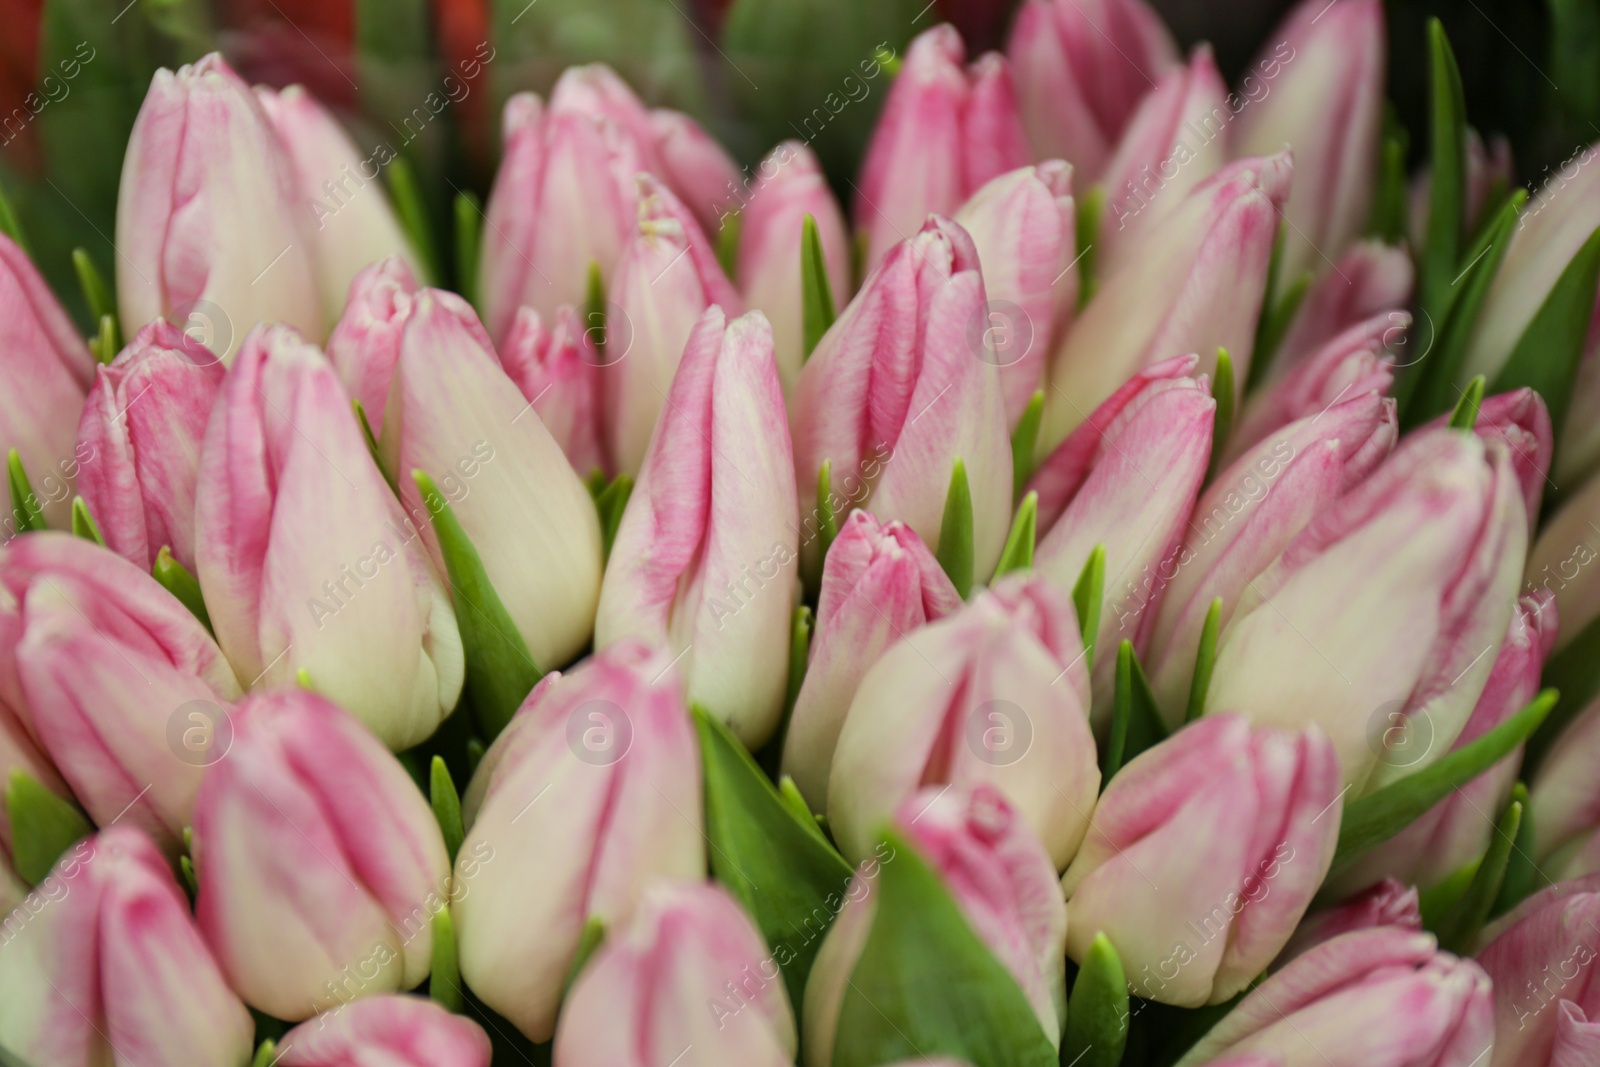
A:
[47,370]
[209,224]
[557,368]
[995,693]
[1521,421]
[1561,561]
[791,186]
[1374,998]
[879,582]
[1257,805]
[904,384]
[1371,277]
[944,132]
[697,168]
[320,864]
[344,593]
[458,417]
[365,343]
[704,558]
[114,679]
[690,980]
[143,424]
[1082,69]
[1423,560]
[1388,903]
[1206,265]
[1565,801]
[398,1031]
[1000,878]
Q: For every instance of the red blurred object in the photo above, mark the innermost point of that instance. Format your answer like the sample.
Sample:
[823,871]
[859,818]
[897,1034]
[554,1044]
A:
[19,59]
[981,22]
[288,42]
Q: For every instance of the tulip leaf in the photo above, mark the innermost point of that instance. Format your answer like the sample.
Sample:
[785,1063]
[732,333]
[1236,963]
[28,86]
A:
[816,297]
[83,524]
[1575,672]
[770,757]
[105,345]
[1223,392]
[10,226]
[412,210]
[779,865]
[469,242]
[446,803]
[26,513]
[191,880]
[96,293]
[1097,1015]
[611,503]
[1205,661]
[1378,816]
[1088,597]
[730,228]
[43,826]
[1136,722]
[1447,188]
[1024,439]
[926,985]
[1465,416]
[444,977]
[1277,315]
[1018,552]
[266,1054]
[1545,358]
[955,531]
[1522,874]
[827,519]
[176,579]
[1391,198]
[1090,211]
[372,444]
[594,310]
[1460,927]
[500,669]
[590,939]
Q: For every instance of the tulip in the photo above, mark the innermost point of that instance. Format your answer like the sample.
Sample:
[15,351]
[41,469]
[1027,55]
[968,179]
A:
[1081,69]
[1369,279]
[1206,265]
[667,276]
[904,384]
[879,583]
[1436,535]
[1565,801]
[1521,421]
[365,343]
[945,131]
[705,554]
[1389,903]
[1328,104]
[688,980]
[459,417]
[143,424]
[48,370]
[1000,879]
[1562,559]
[996,693]
[342,201]
[697,168]
[557,368]
[19,752]
[1385,997]
[320,865]
[1577,1039]
[403,1031]
[110,967]
[790,186]
[621,753]
[1022,225]
[1247,517]
[1257,805]
[114,679]
[343,593]
[209,224]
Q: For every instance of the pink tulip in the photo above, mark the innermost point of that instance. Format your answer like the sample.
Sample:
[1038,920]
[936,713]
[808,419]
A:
[996,693]
[999,876]
[365,343]
[1388,903]
[1521,421]
[320,864]
[112,969]
[1385,997]
[903,385]
[879,583]
[143,424]
[690,980]
[1369,279]
[695,165]
[1257,809]
[403,1031]
[1565,808]
[344,593]
[945,131]
[115,680]
[1577,1040]
[210,227]
[619,750]
[557,367]
[1563,560]
[1081,69]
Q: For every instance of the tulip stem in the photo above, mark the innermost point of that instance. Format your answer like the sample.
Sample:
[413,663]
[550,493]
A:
[1018,553]
[444,978]
[176,579]
[955,531]
[25,510]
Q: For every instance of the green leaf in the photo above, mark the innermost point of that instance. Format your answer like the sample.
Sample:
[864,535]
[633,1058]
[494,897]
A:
[1391,199]
[372,444]
[1088,596]
[1097,1016]
[105,344]
[1546,356]
[176,579]
[1136,722]
[926,985]
[1205,661]
[1378,816]
[1575,58]
[1522,875]
[266,1054]
[730,227]
[25,510]
[1091,209]
[1447,196]
[778,864]
[955,531]
[500,669]
[1465,416]
[446,803]
[1461,926]
[1277,315]
[191,880]
[43,826]
[469,242]
[827,520]
[611,503]
[1024,439]
[770,758]
[10,226]
[592,937]
[1575,673]
[83,524]
[96,293]
[444,978]
[1018,552]
[1222,390]
[816,297]
[412,210]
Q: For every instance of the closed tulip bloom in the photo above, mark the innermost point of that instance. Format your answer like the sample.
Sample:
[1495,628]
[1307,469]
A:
[1565,801]
[1521,420]
[705,557]
[999,876]
[905,383]
[615,742]
[345,592]
[208,216]
[1258,805]
[697,167]
[365,343]
[1081,70]
[945,131]
[1389,903]
[1563,559]
[1206,265]
[996,693]
[556,366]
[143,425]
[1374,998]
[1435,538]
[320,864]
[789,185]
[116,681]
[690,978]
[1371,278]
[879,583]
[457,416]
[394,1031]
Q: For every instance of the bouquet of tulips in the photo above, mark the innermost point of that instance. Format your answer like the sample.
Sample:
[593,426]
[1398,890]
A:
[1122,593]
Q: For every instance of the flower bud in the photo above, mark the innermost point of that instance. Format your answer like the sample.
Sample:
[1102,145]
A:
[1371,277]
[557,369]
[1389,903]
[1565,801]
[1521,421]
[1562,561]
[404,1031]
[695,165]
[365,343]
